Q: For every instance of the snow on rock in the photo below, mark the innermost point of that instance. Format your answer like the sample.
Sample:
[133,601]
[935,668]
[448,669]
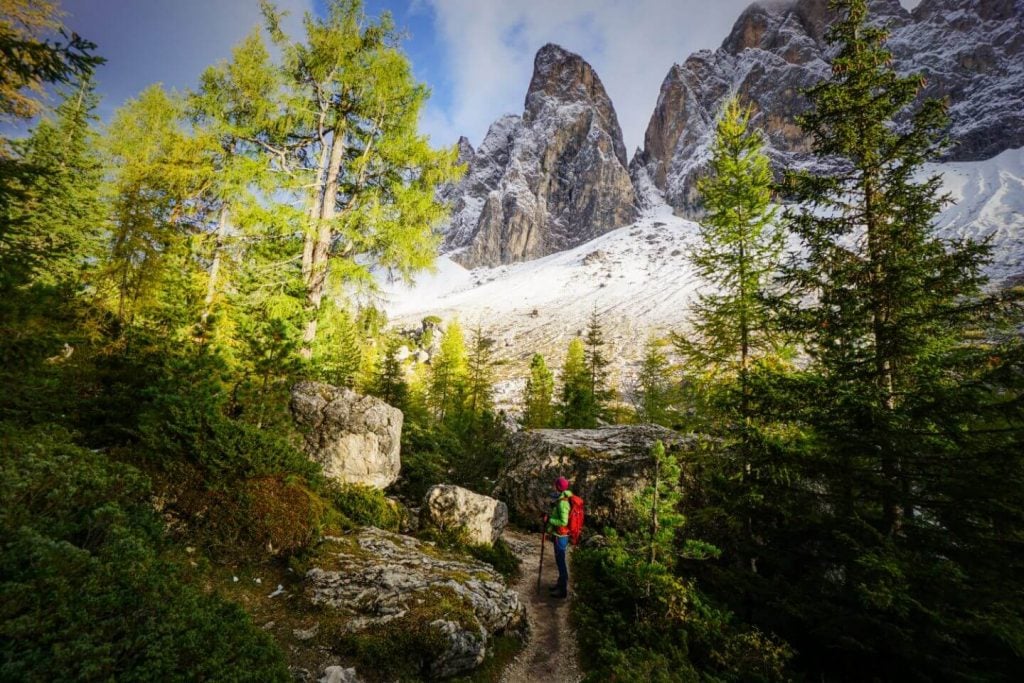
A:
[969,51]
[547,180]
[639,281]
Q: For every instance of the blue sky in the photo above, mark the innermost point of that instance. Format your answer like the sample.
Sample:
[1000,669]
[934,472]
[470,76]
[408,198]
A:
[475,55]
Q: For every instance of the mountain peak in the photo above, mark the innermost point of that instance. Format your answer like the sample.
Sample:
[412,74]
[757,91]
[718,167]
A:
[562,78]
[549,180]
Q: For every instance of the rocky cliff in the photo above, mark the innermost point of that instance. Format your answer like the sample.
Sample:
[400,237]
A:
[548,180]
[970,51]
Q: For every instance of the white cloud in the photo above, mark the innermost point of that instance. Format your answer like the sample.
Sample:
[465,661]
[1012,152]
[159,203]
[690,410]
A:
[631,43]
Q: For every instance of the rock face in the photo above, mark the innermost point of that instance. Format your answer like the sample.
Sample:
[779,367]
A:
[483,517]
[607,467]
[380,577]
[356,438]
[545,181]
[971,51]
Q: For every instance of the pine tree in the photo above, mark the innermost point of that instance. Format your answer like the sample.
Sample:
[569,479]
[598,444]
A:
[597,362]
[51,233]
[737,255]
[479,377]
[389,384]
[654,388]
[576,406]
[538,396]
[852,542]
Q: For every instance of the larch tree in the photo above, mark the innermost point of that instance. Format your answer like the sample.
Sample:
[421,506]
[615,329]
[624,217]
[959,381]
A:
[576,404]
[447,381]
[479,376]
[235,103]
[538,395]
[737,255]
[653,395]
[153,181]
[366,174]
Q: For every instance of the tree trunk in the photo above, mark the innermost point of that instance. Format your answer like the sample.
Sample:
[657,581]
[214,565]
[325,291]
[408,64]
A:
[223,226]
[321,242]
[654,509]
[891,515]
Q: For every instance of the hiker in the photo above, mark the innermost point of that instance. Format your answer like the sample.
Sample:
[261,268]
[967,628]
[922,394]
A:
[558,529]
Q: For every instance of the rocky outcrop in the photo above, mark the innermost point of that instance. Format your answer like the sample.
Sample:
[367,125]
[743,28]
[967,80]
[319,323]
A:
[388,580]
[340,674]
[356,438]
[548,180]
[970,51]
[607,467]
[453,507]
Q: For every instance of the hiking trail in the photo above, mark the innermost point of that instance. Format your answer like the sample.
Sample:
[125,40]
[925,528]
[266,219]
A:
[550,653]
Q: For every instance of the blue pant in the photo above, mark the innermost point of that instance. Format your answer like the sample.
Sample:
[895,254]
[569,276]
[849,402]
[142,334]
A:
[561,544]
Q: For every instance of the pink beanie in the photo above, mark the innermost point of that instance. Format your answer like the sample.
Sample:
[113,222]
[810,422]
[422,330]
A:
[561,484]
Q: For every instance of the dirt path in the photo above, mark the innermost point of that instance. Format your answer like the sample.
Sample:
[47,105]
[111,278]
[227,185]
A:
[550,654]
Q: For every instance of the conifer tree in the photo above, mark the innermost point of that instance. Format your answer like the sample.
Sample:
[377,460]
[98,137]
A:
[654,389]
[148,267]
[447,383]
[597,362]
[30,60]
[235,103]
[890,297]
[538,395]
[737,255]
[365,173]
[577,403]
[852,540]
[50,234]
[389,383]
[479,376]
[338,348]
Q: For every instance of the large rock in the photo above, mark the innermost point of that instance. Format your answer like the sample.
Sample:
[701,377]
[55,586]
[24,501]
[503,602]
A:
[356,438]
[447,506]
[379,577]
[607,467]
[548,180]
[776,49]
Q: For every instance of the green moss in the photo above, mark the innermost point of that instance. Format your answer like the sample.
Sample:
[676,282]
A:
[405,647]
[366,506]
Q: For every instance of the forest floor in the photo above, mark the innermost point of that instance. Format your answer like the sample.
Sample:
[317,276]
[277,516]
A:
[550,653]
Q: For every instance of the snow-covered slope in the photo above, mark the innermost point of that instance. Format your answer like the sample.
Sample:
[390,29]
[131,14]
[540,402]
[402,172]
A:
[639,281]
[988,202]
[636,277]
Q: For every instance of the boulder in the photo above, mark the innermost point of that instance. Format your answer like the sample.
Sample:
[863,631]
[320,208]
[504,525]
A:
[607,467]
[447,506]
[377,577]
[356,438]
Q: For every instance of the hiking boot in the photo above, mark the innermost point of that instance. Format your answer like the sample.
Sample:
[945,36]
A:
[557,592]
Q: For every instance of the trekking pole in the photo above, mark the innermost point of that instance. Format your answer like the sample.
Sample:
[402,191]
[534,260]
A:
[543,542]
